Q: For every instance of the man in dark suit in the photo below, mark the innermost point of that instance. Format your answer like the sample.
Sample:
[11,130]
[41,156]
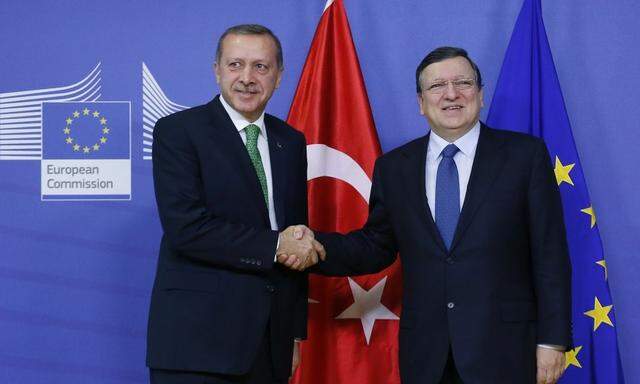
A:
[476,216]
[228,177]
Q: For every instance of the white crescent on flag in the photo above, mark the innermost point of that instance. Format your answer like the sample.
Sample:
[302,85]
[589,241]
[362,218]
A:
[326,161]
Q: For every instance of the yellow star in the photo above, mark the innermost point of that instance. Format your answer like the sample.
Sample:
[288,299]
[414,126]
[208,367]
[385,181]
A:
[603,264]
[96,147]
[589,211]
[571,357]
[562,172]
[67,131]
[85,111]
[103,140]
[96,114]
[69,140]
[103,121]
[105,130]
[599,314]
[85,149]
[69,121]
[76,147]
[76,114]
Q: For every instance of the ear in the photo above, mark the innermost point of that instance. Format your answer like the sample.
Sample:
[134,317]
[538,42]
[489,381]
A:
[279,77]
[420,101]
[481,96]
[216,71]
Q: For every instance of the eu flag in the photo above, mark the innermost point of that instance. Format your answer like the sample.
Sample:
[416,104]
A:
[528,99]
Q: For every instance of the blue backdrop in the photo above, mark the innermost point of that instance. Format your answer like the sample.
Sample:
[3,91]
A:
[75,276]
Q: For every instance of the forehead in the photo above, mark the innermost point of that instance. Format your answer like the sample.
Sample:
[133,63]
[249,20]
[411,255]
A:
[257,47]
[447,69]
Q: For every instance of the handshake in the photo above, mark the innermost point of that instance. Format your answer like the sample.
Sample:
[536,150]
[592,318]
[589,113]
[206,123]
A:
[298,249]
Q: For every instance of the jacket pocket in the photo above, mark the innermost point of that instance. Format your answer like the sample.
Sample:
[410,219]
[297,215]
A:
[185,280]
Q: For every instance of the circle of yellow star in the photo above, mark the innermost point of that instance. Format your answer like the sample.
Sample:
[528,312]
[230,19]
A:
[599,314]
[77,147]
[571,357]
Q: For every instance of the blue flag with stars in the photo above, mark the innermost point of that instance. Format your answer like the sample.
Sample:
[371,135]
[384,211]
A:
[528,99]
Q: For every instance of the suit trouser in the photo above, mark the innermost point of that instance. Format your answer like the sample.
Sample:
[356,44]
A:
[261,372]
[450,374]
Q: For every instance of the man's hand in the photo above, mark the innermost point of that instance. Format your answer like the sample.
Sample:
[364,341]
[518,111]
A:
[550,365]
[298,249]
[296,357]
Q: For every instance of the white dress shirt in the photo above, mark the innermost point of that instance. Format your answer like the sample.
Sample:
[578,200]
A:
[240,122]
[467,145]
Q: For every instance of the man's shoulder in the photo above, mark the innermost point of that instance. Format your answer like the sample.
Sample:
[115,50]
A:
[410,149]
[200,112]
[281,128]
[512,138]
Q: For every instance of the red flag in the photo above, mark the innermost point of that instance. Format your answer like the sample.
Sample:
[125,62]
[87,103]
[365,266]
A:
[353,322]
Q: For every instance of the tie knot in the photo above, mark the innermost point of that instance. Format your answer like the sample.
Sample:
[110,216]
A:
[252,131]
[449,151]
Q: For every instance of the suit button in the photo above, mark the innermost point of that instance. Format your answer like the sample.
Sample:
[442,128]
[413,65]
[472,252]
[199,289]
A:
[450,305]
[270,288]
[449,260]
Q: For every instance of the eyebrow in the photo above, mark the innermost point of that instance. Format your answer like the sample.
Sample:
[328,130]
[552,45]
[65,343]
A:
[456,77]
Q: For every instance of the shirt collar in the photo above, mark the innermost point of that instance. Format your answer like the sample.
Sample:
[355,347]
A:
[466,144]
[239,121]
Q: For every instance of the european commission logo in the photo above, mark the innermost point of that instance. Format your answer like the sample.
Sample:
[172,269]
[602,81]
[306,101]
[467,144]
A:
[86,151]
[83,144]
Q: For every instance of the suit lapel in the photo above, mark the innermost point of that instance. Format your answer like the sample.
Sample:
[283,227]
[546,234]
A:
[228,141]
[416,156]
[278,168]
[487,164]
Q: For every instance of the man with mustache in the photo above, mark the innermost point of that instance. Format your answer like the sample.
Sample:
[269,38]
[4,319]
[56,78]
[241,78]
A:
[225,307]
[476,216]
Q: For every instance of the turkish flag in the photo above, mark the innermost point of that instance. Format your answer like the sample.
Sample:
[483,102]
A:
[353,322]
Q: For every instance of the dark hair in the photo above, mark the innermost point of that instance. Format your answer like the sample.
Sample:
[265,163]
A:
[251,29]
[441,54]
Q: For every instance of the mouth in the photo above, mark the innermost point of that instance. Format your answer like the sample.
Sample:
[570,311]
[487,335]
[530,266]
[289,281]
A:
[246,91]
[452,107]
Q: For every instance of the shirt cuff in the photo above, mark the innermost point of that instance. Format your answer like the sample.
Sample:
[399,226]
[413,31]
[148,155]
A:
[559,348]
[275,257]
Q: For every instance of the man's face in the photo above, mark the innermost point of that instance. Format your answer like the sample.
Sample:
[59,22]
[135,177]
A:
[247,73]
[451,108]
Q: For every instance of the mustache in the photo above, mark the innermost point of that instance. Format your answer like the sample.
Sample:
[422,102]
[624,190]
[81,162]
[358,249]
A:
[251,88]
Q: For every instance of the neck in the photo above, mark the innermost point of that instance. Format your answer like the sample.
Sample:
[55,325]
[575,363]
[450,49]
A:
[452,135]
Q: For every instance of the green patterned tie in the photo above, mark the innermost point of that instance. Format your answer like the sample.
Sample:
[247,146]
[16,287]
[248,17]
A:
[252,132]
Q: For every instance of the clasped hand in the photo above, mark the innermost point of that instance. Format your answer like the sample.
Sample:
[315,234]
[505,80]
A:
[298,249]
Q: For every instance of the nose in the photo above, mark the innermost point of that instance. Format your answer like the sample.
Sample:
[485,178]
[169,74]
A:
[450,93]
[246,76]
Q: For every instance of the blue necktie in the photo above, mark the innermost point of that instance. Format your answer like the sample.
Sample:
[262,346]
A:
[447,195]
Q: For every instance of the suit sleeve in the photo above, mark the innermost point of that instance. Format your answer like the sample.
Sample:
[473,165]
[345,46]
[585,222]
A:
[364,251]
[549,253]
[189,227]
[301,306]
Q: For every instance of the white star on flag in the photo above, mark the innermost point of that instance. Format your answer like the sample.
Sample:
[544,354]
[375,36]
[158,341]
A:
[367,306]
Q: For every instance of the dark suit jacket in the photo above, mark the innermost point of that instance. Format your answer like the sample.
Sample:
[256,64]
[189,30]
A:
[504,286]
[217,287]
